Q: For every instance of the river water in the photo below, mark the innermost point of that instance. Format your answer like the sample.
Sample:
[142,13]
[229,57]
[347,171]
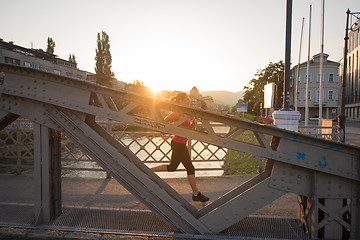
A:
[166,147]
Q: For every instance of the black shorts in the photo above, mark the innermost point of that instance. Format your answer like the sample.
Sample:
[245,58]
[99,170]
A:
[180,154]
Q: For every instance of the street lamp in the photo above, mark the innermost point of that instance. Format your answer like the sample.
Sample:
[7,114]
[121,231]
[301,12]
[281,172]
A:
[341,117]
[286,103]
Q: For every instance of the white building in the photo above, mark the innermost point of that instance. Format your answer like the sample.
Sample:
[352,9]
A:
[38,59]
[330,87]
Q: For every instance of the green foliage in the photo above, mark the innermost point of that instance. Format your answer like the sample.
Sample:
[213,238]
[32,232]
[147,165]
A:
[254,94]
[50,45]
[138,87]
[247,116]
[103,58]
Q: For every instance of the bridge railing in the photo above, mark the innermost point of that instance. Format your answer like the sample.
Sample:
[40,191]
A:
[153,148]
[16,151]
[328,133]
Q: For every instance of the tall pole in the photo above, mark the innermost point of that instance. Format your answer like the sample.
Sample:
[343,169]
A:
[298,68]
[307,76]
[321,61]
[287,56]
[341,117]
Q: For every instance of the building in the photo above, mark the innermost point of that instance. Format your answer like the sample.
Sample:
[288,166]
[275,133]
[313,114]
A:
[352,86]
[200,101]
[330,87]
[38,59]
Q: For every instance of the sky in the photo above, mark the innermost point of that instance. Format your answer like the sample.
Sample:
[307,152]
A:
[176,45]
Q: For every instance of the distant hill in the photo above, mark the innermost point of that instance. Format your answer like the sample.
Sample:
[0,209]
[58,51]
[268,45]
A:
[224,97]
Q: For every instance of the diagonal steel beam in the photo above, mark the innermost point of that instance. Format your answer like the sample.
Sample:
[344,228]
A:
[123,168]
[6,118]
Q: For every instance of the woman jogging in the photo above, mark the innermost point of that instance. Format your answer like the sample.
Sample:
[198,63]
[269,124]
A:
[180,153]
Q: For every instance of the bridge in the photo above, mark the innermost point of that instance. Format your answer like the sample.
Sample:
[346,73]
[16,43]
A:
[324,174]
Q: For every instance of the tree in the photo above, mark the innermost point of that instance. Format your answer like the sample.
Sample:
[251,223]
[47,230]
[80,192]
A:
[104,75]
[254,94]
[50,45]
[72,58]
[138,87]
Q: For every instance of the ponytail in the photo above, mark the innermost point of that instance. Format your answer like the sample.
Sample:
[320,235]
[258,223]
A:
[178,97]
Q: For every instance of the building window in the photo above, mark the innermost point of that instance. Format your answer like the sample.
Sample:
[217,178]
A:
[331,95]
[298,96]
[317,96]
[57,72]
[331,77]
[309,95]
[309,78]
[13,61]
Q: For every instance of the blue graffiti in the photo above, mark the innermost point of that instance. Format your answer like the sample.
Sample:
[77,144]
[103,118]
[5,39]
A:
[293,138]
[323,163]
[301,155]
[333,147]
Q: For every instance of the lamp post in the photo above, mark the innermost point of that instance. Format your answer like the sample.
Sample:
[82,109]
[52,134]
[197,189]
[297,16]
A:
[341,117]
[287,56]
[287,118]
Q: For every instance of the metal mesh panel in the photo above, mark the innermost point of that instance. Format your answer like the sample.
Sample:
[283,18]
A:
[101,219]
[16,214]
[267,227]
[116,220]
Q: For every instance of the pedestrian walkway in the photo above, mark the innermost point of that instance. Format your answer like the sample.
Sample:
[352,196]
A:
[109,194]
[103,205]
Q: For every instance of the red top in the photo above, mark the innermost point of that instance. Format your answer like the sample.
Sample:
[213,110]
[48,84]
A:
[179,139]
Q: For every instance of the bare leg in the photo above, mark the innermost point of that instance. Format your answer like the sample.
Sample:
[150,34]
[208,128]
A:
[161,168]
[192,181]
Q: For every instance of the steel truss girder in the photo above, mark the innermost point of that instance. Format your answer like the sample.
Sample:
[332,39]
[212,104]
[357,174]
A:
[70,106]
[294,148]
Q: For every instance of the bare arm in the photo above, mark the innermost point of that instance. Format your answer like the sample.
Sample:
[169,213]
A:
[172,117]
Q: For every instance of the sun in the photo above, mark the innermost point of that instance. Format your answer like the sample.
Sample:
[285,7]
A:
[155,87]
